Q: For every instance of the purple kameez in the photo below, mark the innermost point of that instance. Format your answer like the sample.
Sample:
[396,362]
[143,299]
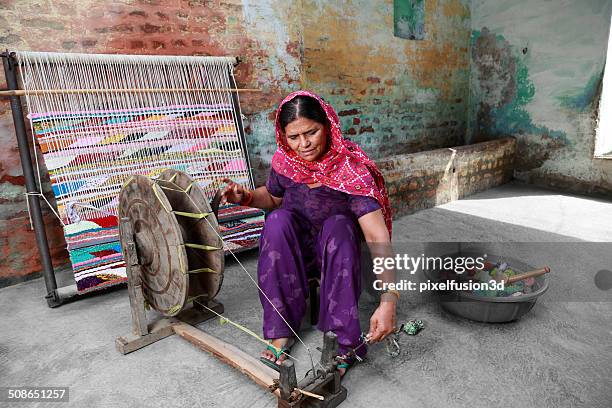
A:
[314,234]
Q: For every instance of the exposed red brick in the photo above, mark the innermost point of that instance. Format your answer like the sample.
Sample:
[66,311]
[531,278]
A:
[157,45]
[149,28]
[15,180]
[421,180]
[348,112]
[272,116]
[138,13]
[162,16]
[68,45]
[21,258]
[120,28]
[199,3]
[293,48]
[134,44]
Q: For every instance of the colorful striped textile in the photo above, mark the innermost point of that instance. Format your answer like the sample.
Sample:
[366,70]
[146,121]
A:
[90,154]
[240,227]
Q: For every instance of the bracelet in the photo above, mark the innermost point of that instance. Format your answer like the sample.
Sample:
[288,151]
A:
[393,292]
[248,197]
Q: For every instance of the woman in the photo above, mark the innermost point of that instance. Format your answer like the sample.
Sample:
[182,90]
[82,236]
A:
[327,197]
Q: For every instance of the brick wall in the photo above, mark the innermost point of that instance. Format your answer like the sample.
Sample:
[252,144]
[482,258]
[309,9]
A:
[417,181]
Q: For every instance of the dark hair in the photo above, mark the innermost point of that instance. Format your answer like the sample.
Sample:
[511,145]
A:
[302,107]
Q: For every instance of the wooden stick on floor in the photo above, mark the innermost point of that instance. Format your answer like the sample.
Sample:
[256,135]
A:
[252,367]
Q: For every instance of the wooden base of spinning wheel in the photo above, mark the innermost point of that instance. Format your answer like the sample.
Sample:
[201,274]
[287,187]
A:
[164,327]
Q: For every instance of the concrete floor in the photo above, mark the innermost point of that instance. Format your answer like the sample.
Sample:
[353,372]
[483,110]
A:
[558,355]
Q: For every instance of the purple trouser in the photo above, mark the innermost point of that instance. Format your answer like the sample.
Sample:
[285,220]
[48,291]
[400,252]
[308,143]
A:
[289,254]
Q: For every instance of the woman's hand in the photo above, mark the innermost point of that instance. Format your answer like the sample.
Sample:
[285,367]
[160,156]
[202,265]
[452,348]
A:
[382,322]
[233,192]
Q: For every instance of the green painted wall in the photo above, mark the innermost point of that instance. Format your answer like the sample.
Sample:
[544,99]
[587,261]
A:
[536,69]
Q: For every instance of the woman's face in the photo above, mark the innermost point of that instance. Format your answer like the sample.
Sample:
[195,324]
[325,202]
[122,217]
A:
[307,138]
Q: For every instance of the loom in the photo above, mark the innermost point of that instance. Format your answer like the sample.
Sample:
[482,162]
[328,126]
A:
[99,119]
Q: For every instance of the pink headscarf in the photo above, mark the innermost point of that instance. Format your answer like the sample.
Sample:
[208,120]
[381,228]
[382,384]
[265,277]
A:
[345,167]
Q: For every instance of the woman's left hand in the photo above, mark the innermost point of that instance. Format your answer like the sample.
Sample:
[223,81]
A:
[382,322]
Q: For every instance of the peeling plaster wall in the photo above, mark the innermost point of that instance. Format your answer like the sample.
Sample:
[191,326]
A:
[393,95]
[536,69]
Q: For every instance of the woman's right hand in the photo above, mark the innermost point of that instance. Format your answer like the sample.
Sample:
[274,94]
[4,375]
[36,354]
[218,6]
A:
[233,192]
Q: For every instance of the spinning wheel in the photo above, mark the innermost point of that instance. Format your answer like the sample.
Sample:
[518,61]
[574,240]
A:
[174,256]
[176,237]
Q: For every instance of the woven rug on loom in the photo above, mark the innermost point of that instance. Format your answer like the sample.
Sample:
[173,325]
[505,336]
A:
[87,173]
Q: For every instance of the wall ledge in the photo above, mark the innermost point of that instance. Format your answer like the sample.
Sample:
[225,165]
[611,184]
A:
[422,180]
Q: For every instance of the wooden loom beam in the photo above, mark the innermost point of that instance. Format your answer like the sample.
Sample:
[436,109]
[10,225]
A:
[23,92]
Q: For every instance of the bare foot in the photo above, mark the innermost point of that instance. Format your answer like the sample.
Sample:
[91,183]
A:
[278,343]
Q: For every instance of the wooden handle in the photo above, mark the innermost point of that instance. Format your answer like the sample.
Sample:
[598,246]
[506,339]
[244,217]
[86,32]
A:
[215,202]
[530,274]
[310,394]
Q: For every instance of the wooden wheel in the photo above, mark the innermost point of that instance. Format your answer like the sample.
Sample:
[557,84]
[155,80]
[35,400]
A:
[196,230]
[179,250]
